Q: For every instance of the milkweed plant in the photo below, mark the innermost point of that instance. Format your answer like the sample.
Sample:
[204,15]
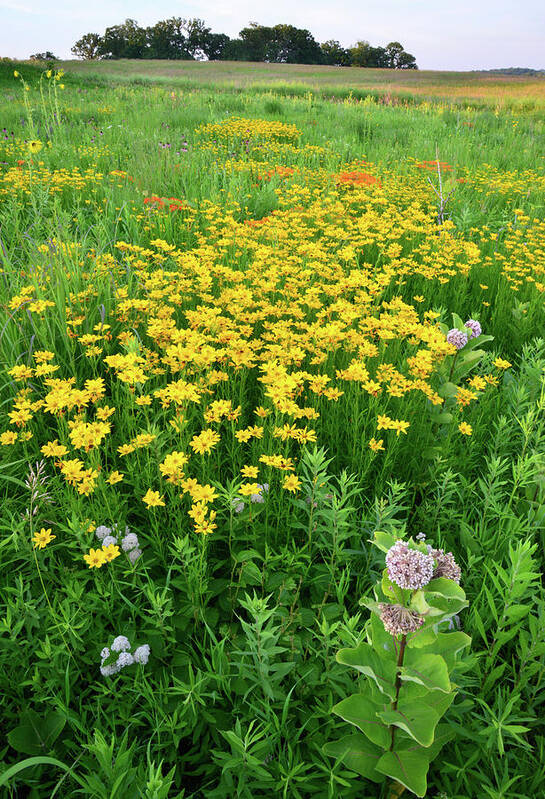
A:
[411,648]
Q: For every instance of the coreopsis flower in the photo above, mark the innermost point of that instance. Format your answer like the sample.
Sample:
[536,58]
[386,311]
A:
[474,326]
[249,489]
[43,538]
[457,338]
[408,568]
[95,558]
[153,499]
[445,565]
[399,620]
[376,446]
[110,552]
[249,472]
[291,483]
[465,428]
[500,363]
[34,146]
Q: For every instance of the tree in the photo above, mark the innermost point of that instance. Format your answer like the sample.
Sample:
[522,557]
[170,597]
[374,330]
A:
[88,47]
[256,40]
[197,34]
[167,39]
[406,61]
[335,55]
[364,54]
[47,56]
[215,45]
[291,45]
[397,58]
[124,41]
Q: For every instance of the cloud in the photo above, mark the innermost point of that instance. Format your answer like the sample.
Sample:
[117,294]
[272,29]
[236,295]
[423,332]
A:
[13,5]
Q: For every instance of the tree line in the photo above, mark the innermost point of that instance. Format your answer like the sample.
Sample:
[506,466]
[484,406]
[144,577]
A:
[192,39]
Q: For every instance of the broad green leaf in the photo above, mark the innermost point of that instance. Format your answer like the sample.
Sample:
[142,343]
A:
[383,540]
[448,390]
[35,735]
[407,767]
[438,701]
[366,660]
[382,641]
[442,418]
[425,669]
[415,718]
[443,734]
[448,589]
[358,753]
[362,712]
[449,644]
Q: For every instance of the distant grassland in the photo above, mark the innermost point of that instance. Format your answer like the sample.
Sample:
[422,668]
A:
[476,88]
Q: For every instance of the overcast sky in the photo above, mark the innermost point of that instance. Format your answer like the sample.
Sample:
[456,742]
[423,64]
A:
[459,34]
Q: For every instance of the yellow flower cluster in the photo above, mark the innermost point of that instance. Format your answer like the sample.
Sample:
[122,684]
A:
[245,129]
[249,335]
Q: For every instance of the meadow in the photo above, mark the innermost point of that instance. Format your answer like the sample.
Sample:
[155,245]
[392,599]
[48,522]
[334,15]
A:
[233,355]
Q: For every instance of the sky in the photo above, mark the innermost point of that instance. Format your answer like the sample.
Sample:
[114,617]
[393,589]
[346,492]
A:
[457,35]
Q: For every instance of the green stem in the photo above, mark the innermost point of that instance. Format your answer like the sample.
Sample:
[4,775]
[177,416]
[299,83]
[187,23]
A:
[402,646]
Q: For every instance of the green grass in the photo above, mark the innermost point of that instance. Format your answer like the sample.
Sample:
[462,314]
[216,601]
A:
[244,624]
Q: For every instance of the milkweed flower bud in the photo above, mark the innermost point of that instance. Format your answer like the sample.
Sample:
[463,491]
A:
[141,654]
[457,338]
[445,565]
[399,620]
[474,326]
[408,568]
[121,644]
[130,541]
[102,531]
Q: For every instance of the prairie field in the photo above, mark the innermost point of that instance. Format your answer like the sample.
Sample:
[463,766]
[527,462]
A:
[253,321]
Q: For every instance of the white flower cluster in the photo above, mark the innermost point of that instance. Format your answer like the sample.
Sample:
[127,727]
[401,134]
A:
[121,646]
[238,502]
[129,542]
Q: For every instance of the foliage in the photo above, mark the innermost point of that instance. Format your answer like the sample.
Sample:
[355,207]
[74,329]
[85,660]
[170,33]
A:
[178,38]
[408,658]
[286,240]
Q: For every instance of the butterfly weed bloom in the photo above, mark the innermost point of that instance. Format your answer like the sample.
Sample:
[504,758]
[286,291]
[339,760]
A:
[408,568]
[457,338]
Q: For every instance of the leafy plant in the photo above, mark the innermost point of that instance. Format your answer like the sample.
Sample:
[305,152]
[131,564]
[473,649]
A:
[408,657]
